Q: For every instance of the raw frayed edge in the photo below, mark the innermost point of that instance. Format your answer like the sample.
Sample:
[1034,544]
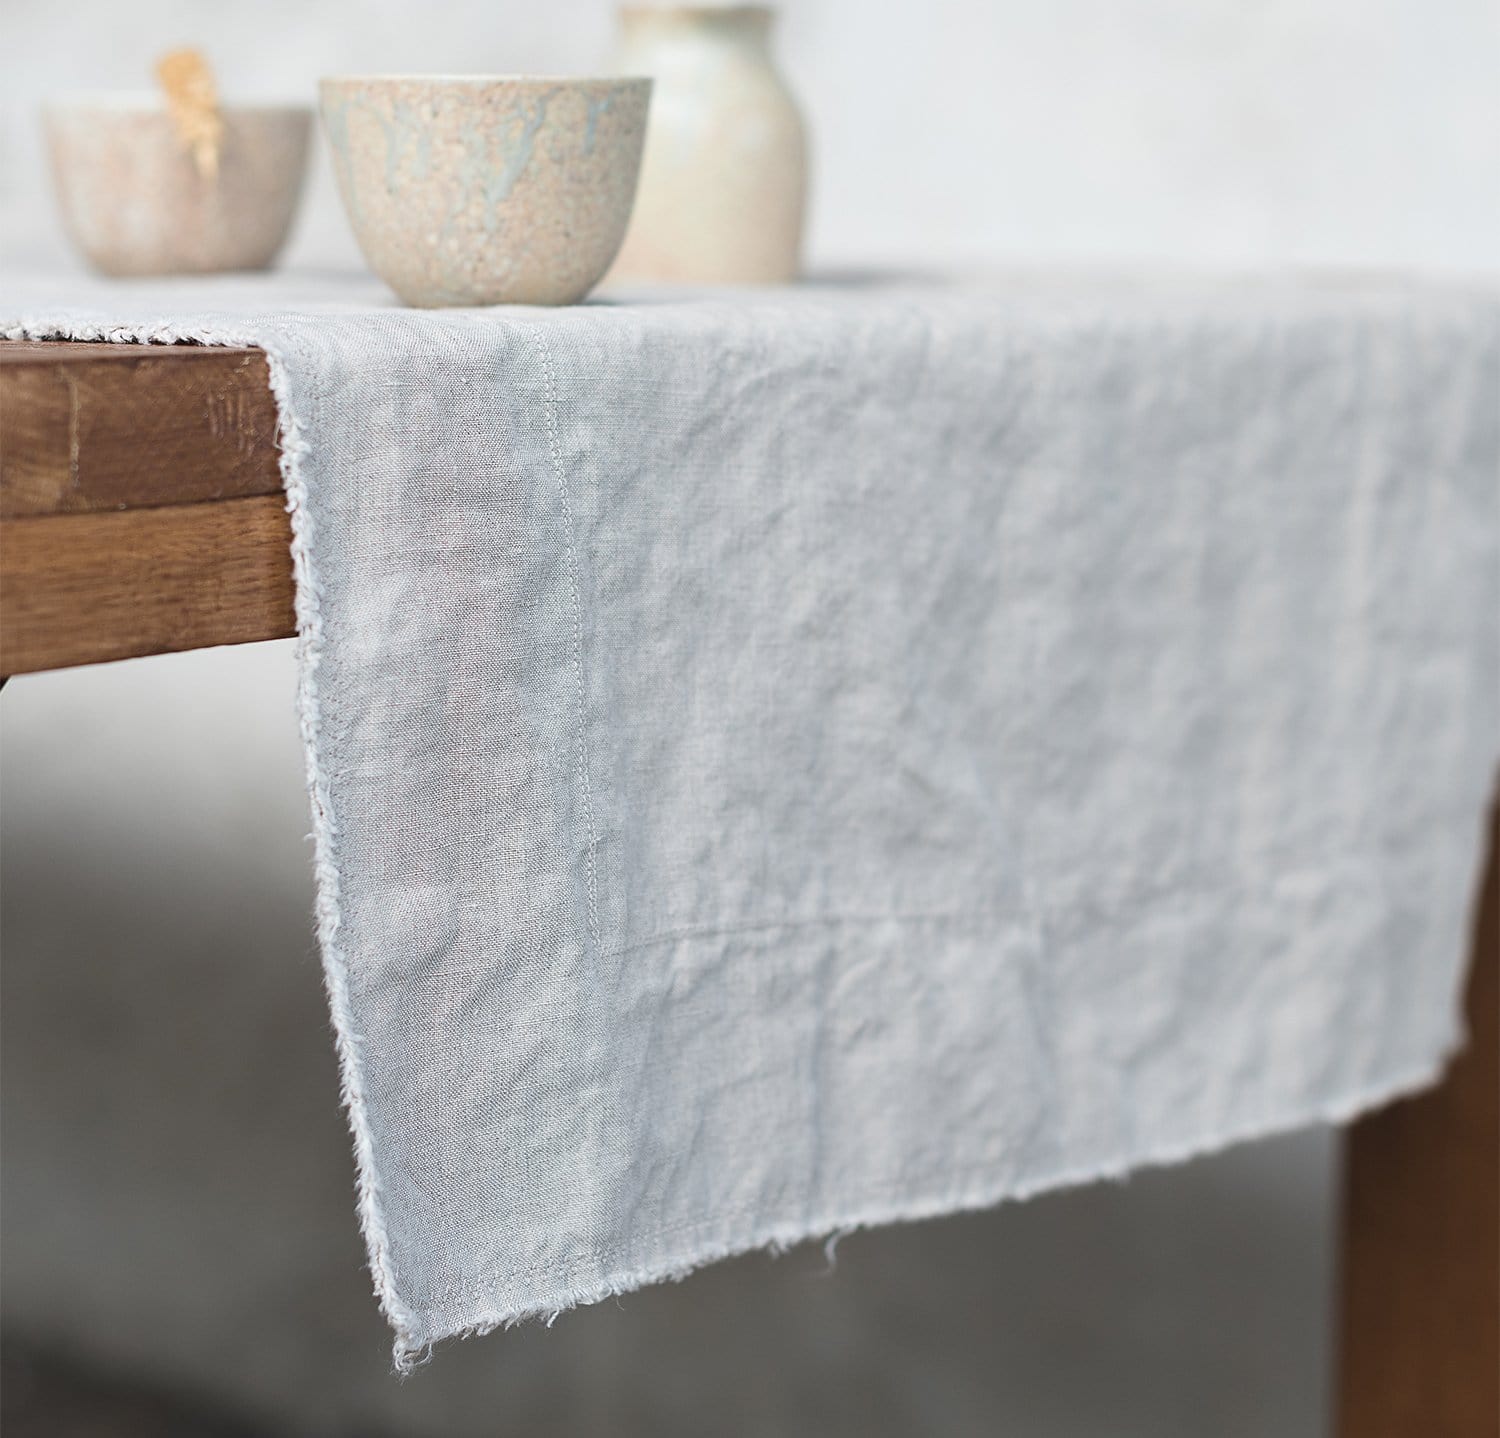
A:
[781,1238]
[294,450]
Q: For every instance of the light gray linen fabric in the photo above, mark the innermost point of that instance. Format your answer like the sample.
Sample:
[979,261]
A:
[796,759]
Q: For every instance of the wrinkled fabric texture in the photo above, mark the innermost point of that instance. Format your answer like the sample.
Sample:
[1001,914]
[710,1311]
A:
[796,759]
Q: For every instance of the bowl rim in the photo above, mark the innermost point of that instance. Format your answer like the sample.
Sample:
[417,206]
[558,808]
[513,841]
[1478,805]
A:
[143,101]
[613,81]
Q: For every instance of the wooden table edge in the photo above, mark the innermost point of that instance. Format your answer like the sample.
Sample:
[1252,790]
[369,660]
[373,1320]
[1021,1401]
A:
[141,504]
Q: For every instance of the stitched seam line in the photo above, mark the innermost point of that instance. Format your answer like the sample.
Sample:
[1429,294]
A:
[549,377]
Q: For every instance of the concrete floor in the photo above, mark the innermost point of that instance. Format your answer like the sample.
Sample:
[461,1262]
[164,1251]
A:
[45,1394]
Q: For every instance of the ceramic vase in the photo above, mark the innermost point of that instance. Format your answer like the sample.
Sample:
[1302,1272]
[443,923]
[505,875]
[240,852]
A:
[724,176]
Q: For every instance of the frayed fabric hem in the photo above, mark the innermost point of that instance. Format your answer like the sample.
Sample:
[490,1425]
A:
[414,1348]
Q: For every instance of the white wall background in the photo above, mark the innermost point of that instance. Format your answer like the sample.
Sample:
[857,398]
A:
[1220,131]
[176,1174]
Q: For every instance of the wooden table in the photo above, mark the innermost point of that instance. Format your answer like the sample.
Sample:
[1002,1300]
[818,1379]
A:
[141,511]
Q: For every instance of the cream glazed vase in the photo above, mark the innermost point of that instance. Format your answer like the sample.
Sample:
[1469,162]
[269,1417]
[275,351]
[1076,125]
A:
[724,177]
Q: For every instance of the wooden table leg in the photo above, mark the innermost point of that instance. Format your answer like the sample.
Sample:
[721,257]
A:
[1420,1352]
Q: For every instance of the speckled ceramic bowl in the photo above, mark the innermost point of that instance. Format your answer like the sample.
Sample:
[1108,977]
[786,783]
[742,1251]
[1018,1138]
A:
[135,204]
[480,190]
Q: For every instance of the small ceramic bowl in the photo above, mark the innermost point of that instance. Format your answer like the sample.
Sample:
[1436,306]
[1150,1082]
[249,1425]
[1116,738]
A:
[481,190]
[135,204]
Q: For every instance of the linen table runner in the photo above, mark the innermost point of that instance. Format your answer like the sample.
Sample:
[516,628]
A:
[790,760]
